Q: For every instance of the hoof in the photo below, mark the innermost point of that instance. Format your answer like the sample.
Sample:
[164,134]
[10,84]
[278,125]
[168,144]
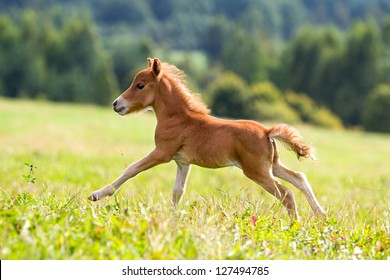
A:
[99,194]
[321,214]
[94,197]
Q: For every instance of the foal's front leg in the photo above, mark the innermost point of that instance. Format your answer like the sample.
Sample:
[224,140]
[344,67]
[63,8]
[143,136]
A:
[181,180]
[154,158]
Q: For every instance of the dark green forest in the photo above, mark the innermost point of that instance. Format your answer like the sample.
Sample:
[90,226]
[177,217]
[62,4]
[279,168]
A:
[324,62]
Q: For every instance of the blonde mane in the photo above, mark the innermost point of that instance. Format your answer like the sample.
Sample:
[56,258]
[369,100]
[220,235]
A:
[193,100]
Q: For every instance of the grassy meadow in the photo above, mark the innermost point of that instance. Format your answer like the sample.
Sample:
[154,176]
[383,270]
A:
[52,156]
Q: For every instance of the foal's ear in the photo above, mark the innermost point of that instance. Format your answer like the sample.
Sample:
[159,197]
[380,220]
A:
[150,61]
[156,67]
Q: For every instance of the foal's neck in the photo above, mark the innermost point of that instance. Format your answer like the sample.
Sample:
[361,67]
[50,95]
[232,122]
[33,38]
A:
[170,100]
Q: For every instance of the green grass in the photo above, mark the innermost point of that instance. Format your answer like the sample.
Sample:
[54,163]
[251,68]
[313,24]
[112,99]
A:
[76,149]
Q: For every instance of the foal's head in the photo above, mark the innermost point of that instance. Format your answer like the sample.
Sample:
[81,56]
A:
[141,92]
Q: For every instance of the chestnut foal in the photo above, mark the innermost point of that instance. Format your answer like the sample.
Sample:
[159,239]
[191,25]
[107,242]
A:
[186,134]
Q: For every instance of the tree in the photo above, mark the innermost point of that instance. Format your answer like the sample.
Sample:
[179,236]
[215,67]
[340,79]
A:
[120,11]
[385,59]
[216,36]
[22,69]
[310,112]
[266,103]
[312,64]
[8,41]
[335,73]
[162,9]
[376,116]
[62,60]
[300,61]
[360,71]
[229,97]
[243,56]
[128,55]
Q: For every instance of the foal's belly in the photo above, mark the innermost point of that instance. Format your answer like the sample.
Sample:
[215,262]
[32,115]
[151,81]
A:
[209,161]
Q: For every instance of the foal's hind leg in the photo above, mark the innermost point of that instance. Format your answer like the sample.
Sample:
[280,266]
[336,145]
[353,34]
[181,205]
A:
[299,180]
[268,182]
[181,180]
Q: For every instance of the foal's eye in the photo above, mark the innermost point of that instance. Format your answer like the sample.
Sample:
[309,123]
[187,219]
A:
[140,85]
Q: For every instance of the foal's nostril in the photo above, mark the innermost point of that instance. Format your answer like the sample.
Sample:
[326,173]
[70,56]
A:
[115,102]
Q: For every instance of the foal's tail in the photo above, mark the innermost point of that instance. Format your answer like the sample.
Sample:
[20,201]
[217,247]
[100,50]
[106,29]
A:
[291,139]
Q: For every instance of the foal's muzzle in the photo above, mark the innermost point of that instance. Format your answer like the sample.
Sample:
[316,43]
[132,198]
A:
[118,106]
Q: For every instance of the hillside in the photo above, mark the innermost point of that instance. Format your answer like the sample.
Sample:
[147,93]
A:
[293,57]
